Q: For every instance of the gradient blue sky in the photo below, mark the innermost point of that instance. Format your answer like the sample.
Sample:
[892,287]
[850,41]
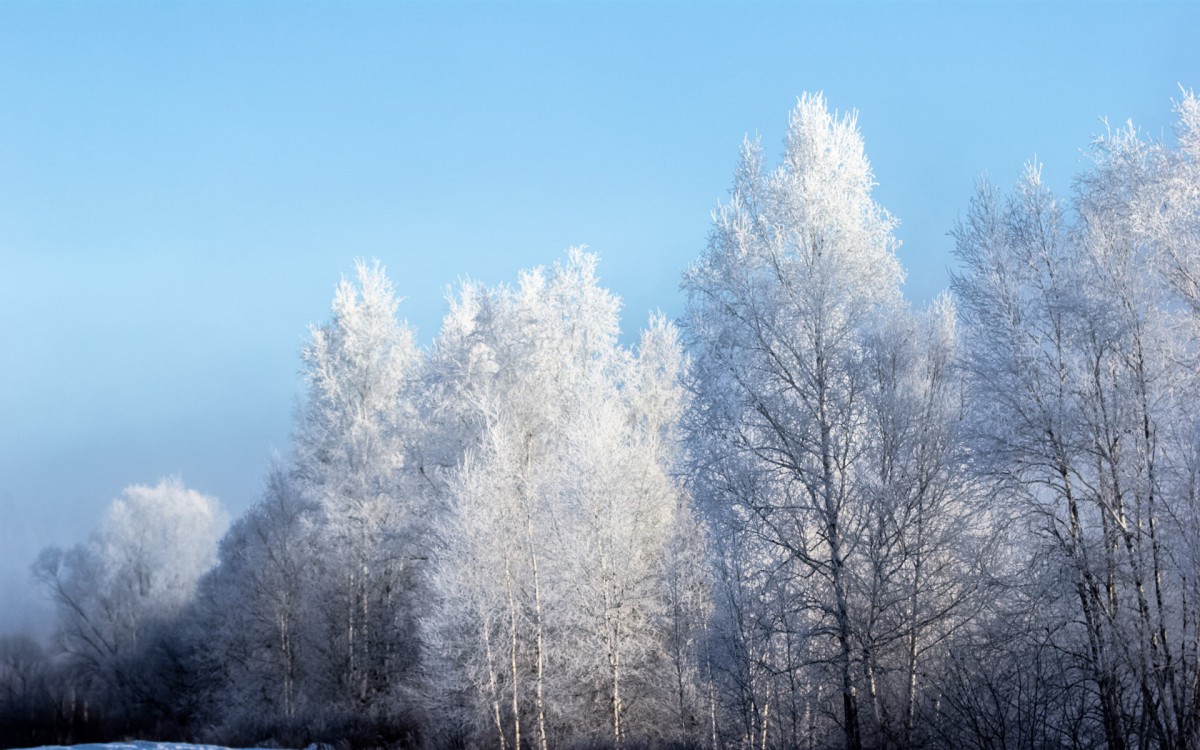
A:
[181,184]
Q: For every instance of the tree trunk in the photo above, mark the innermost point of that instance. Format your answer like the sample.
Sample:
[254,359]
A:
[516,675]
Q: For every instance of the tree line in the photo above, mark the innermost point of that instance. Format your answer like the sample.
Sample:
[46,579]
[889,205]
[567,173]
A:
[806,515]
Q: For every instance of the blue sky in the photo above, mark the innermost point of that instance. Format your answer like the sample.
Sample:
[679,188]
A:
[181,184]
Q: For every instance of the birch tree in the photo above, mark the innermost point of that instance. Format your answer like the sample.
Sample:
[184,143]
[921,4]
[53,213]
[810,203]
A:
[800,264]
[255,614]
[929,530]
[553,547]
[351,448]
[1080,368]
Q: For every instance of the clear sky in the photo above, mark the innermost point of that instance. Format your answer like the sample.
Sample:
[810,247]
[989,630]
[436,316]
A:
[182,183]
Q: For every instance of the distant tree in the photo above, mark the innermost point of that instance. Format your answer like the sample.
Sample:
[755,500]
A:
[32,709]
[134,575]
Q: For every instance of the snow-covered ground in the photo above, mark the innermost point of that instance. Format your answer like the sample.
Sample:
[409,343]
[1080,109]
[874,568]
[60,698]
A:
[135,745]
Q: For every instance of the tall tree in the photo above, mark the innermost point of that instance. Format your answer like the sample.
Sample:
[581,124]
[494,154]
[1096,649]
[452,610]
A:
[927,533]
[351,450]
[253,615]
[553,546]
[1081,370]
[799,268]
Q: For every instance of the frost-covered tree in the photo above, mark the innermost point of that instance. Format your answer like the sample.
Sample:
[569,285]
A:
[351,444]
[928,536]
[799,268]
[254,614]
[551,571]
[1081,367]
[824,448]
[628,522]
[137,571]
[312,611]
